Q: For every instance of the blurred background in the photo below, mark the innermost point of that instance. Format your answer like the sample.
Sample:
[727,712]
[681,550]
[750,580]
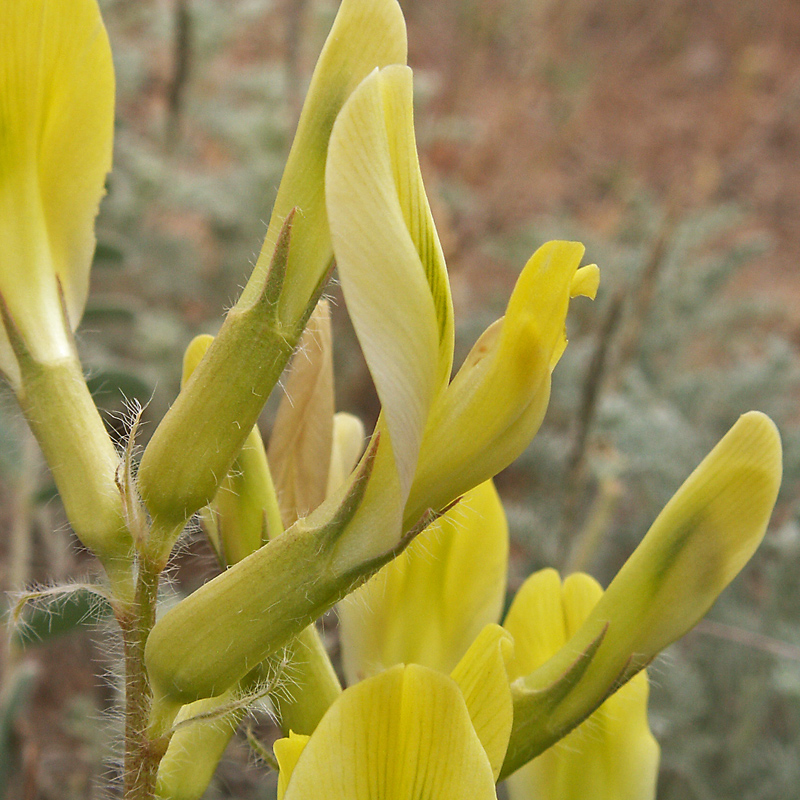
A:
[665,136]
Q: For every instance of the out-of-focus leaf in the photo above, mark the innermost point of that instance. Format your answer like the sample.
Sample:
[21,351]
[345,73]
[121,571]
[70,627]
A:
[53,613]
[116,385]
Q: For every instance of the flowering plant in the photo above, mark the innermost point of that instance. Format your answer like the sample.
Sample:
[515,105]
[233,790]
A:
[405,532]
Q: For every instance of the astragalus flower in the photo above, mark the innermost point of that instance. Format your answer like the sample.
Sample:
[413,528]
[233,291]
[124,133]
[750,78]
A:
[438,438]
[574,645]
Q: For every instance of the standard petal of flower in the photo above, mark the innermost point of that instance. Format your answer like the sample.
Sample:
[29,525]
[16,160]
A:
[403,735]
[611,756]
[365,34]
[56,125]
[388,256]
[302,437]
[482,676]
[490,412]
[536,621]
[430,603]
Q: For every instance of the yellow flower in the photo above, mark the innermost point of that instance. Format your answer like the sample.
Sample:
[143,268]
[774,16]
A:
[430,603]
[696,546]
[610,756]
[56,125]
[575,646]
[437,439]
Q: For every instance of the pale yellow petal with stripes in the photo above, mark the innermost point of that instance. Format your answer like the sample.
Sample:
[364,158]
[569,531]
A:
[428,605]
[405,734]
[388,257]
[482,676]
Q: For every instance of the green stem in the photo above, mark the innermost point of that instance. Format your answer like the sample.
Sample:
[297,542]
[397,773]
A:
[142,754]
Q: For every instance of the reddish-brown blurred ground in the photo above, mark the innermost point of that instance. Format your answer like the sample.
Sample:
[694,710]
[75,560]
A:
[578,104]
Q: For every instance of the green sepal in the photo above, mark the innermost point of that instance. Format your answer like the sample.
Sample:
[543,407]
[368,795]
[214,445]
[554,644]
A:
[214,637]
[537,723]
[194,447]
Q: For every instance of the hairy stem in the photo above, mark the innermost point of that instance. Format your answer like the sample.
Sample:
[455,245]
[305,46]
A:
[142,755]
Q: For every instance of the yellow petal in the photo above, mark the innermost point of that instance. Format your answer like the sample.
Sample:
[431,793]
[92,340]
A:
[611,756]
[56,125]
[365,34]
[388,256]
[537,622]
[428,605]
[287,752]
[302,436]
[349,438]
[403,735]
[482,676]
[586,282]
[490,412]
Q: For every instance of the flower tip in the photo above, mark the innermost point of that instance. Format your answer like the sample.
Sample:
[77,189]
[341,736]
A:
[585,282]
[194,355]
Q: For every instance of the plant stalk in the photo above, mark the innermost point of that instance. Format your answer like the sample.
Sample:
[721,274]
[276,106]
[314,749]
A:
[142,754]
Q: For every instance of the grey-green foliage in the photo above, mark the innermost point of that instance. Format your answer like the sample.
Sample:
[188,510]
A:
[17,686]
[726,711]
[192,184]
